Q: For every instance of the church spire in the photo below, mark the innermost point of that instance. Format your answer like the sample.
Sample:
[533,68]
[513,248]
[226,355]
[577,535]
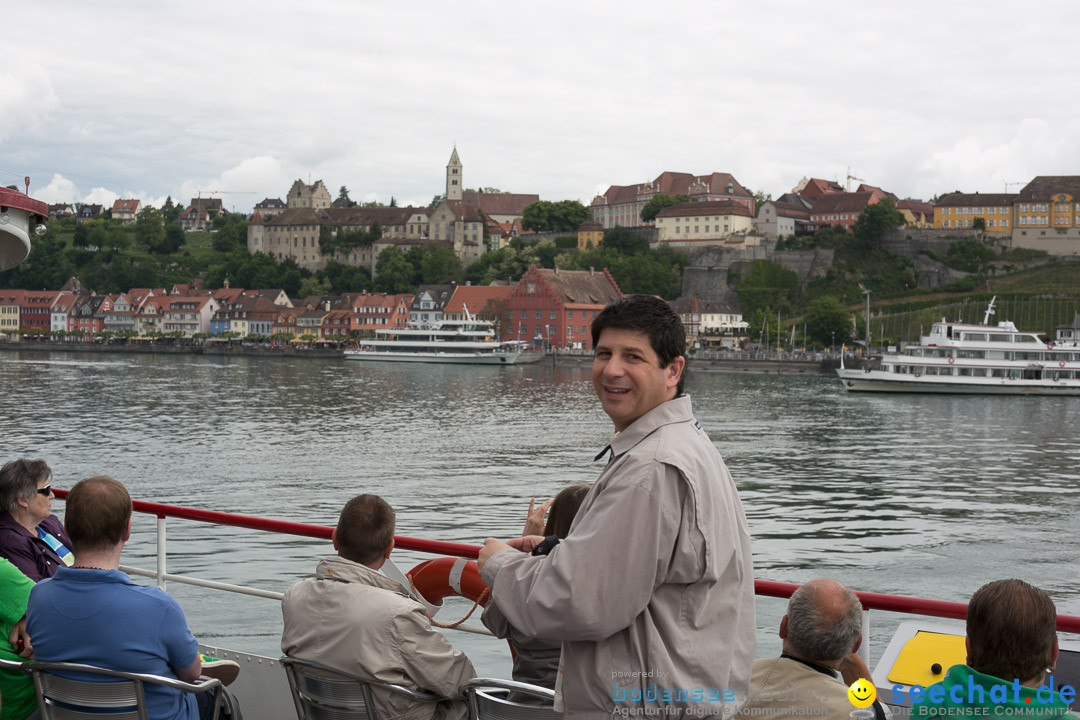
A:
[454,177]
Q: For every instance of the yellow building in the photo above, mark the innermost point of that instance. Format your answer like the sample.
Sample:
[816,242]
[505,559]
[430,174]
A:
[960,210]
[1048,215]
[589,235]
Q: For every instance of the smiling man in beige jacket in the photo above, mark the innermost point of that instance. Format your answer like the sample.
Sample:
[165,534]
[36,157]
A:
[652,592]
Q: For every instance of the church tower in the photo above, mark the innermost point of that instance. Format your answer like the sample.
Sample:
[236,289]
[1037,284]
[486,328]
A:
[453,177]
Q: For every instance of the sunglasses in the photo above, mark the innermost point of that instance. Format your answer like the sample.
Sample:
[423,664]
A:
[44,491]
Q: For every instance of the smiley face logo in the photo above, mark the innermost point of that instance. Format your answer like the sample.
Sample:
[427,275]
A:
[862,693]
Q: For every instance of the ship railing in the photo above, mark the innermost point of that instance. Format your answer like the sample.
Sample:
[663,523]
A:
[767,588]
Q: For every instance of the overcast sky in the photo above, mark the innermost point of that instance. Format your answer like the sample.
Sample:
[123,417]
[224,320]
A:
[100,100]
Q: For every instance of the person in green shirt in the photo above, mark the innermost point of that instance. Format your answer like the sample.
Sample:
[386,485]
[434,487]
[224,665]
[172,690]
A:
[1012,647]
[17,698]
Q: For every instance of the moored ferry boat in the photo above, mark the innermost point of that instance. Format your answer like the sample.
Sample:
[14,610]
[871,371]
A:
[469,341]
[975,359]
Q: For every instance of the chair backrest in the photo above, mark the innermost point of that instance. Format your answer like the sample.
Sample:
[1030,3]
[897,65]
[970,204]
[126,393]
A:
[64,691]
[324,694]
[498,699]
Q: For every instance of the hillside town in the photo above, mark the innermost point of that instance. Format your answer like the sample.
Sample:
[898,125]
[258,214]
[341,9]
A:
[712,210]
[713,219]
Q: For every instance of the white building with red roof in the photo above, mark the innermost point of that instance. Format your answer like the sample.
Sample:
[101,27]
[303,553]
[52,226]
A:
[126,210]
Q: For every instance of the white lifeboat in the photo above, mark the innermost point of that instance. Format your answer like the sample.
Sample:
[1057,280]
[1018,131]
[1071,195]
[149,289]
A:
[19,216]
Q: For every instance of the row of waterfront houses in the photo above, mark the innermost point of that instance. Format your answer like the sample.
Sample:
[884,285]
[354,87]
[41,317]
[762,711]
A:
[551,308]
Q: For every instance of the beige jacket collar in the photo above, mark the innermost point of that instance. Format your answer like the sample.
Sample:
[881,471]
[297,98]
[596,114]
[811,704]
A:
[342,570]
[666,413]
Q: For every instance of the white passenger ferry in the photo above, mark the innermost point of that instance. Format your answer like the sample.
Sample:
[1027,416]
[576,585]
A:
[470,342]
[964,358]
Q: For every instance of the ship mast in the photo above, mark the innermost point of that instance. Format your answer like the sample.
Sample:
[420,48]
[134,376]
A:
[989,311]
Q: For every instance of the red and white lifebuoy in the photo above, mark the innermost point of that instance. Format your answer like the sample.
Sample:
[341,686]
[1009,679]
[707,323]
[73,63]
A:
[952,360]
[1061,363]
[1049,344]
[442,577]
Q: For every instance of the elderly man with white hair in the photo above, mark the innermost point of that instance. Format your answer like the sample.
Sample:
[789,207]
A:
[822,631]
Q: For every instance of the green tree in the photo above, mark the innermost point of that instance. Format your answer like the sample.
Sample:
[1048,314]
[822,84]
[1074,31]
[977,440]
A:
[150,230]
[658,202]
[394,273]
[170,211]
[876,220]
[436,201]
[828,321]
[626,242]
[174,236]
[440,265]
[761,198]
[314,287]
[116,241]
[767,285]
[232,234]
[562,216]
[346,278]
[343,196]
[82,236]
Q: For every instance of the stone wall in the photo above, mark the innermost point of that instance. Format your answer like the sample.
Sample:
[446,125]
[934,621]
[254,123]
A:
[909,241]
[707,274]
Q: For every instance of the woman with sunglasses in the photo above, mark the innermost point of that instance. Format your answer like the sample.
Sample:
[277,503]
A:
[31,537]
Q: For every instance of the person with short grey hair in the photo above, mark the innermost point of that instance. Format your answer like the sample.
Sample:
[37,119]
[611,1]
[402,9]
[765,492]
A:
[31,537]
[821,633]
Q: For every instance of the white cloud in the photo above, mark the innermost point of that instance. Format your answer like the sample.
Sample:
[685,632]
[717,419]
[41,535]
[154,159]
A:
[28,97]
[250,104]
[59,190]
[101,196]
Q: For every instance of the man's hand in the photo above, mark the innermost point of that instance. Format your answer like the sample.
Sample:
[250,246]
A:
[534,523]
[852,668]
[491,546]
[525,543]
[18,635]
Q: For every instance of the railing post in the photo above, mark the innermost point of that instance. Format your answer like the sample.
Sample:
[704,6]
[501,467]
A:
[864,646]
[161,551]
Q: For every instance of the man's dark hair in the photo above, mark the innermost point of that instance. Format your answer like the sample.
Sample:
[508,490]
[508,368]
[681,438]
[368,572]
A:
[564,509]
[365,529]
[97,513]
[652,316]
[18,481]
[1011,626]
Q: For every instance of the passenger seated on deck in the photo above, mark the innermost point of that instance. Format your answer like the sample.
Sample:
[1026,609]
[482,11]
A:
[31,537]
[16,689]
[822,631]
[1011,637]
[92,613]
[536,661]
[353,619]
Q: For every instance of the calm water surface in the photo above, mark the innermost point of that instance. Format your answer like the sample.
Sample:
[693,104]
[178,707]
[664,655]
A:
[918,495]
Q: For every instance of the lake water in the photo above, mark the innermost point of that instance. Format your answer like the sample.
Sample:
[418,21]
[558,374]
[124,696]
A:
[914,495]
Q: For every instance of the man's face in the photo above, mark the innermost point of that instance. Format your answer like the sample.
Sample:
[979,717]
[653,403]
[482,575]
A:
[627,375]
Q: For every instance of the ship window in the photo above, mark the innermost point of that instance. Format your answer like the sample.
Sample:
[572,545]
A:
[930,370]
[964,372]
[978,372]
[945,371]
[975,337]
[1000,338]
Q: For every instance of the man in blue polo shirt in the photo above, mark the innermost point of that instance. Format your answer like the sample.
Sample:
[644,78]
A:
[93,613]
